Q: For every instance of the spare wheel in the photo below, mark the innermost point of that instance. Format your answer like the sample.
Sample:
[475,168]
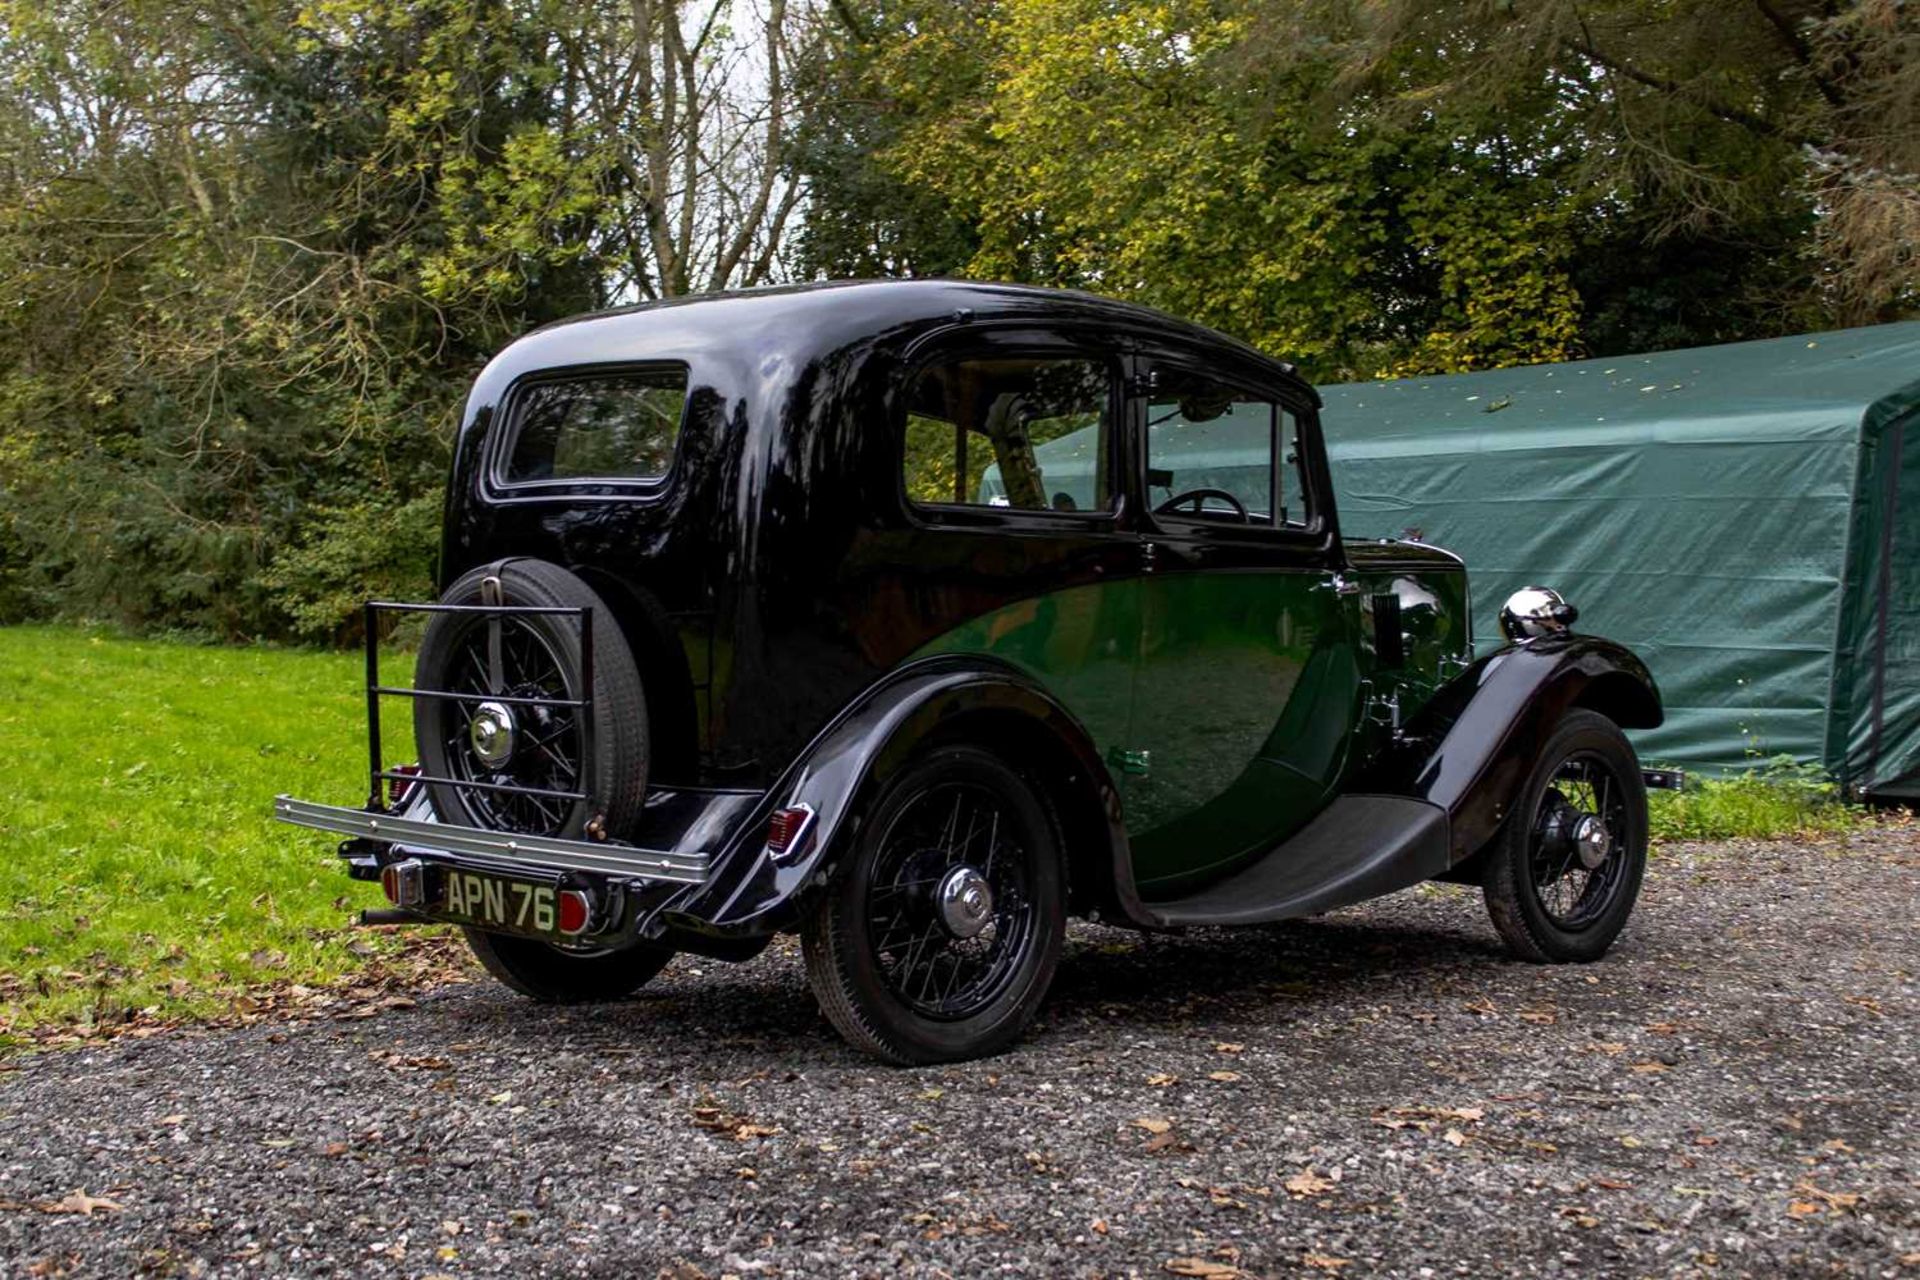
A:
[530,755]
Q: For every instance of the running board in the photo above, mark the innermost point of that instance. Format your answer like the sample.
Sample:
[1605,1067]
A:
[1359,847]
[600,857]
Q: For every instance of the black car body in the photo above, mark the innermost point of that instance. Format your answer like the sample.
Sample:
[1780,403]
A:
[1122,579]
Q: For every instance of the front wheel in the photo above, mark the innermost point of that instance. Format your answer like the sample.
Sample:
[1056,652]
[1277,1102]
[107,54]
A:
[556,975]
[1562,875]
[940,939]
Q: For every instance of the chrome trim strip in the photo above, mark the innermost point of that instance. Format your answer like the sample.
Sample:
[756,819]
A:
[543,851]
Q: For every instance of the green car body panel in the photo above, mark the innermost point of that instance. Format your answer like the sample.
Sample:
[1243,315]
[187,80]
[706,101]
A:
[1231,704]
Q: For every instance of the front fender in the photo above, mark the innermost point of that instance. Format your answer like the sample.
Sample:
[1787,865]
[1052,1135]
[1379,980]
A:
[1469,750]
[751,894]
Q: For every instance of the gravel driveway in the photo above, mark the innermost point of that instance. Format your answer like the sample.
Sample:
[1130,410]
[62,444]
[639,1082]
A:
[1379,1092]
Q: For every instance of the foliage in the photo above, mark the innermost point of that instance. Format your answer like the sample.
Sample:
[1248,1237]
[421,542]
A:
[254,253]
[143,868]
[1777,797]
[1399,187]
[254,250]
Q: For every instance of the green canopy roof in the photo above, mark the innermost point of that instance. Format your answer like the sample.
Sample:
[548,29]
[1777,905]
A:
[1746,517]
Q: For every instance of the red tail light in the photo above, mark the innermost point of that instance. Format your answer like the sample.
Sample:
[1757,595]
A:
[788,832]
[573,911]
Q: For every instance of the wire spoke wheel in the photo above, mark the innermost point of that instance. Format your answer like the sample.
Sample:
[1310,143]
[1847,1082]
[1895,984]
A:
[1562,875]
[517,744]
[1579,835]
[943,955]
[939,939]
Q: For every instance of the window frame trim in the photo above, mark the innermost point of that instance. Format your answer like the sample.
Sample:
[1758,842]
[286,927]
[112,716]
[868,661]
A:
[1014,342]
[1312,531]
[512,417]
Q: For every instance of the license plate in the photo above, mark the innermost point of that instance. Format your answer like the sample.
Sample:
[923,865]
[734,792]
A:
[501,904]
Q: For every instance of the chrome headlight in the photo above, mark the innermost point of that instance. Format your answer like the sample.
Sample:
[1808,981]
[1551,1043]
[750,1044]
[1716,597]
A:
[1532,612]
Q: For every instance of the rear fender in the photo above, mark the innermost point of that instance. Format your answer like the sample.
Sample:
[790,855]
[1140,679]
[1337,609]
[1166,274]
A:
[1470,748]
[940,699]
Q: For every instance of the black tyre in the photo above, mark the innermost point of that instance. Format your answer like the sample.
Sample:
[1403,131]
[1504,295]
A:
[559,976]
[516,744]
[1562,875]
[940,940]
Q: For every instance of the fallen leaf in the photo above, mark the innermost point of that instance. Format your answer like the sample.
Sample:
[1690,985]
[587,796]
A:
[1650,1068]
[1454,1137]
[1100,1226]
[1201,1268]
[1229,1047]
[1308,1183]
[1802,1209]
[1836,1200]
[1425,1118]
[1161,1080]
[81,1203]
[1154,1124]
[1325,1262]
[1225,1077]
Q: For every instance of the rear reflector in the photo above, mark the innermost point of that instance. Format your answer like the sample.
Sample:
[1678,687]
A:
[789,830]
[405,883]
[573,911]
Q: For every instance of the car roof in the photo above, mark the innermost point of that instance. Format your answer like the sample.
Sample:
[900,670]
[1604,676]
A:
[802,320]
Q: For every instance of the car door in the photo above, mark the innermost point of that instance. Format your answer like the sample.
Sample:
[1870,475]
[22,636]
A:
[1246,682]
[1012,544]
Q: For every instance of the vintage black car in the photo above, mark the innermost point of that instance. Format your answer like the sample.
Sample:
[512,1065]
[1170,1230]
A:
[915,618]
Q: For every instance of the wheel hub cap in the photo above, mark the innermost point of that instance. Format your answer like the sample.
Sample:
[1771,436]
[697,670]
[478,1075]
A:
[492,734]
[964,902]
[1590,838]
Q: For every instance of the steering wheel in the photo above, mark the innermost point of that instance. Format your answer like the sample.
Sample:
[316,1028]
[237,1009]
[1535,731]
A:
[1199,498]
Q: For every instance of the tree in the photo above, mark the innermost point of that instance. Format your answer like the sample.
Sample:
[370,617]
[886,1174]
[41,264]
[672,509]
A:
[255,252]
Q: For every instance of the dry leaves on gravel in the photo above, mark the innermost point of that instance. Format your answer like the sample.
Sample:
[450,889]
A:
[1426,1118]
[1817,1201]
[1201,1268]
[76,1202]
[1308,1183]
[712,1117]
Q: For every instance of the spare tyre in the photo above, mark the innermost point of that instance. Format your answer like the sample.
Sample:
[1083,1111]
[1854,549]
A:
[527,756]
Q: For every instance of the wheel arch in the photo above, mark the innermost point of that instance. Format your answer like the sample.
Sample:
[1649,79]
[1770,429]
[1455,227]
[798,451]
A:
[937,701]
[1470,748]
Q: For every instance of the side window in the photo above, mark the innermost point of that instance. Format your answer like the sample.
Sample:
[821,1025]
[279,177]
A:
[1218,453]
[1028,432]
[603,426]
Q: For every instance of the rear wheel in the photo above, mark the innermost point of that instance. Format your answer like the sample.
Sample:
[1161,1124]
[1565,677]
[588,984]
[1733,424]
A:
[938,943]
[1563,874]
[527,757]
[560,976]
[495,738]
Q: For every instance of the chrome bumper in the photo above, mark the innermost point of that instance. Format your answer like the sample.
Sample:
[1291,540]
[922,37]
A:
[497,847]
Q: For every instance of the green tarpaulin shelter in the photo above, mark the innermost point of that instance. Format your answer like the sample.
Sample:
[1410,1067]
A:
[1745,517]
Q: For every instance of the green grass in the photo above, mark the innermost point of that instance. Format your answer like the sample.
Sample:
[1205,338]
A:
[1772,799]
[142,871]
[141,867]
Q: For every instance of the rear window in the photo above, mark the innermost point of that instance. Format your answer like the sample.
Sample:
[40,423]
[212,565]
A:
[604,426]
